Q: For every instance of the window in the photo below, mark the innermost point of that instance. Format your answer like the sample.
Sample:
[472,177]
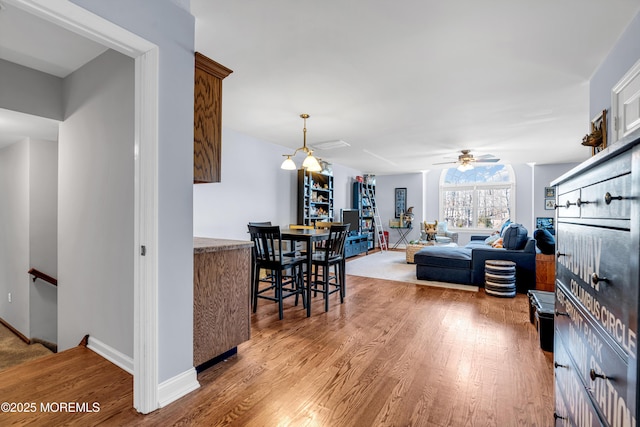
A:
[480,198]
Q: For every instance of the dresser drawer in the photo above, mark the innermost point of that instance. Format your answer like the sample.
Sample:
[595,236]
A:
[568,204]
[594,265]
[572,404]
[600,368]
[595,203]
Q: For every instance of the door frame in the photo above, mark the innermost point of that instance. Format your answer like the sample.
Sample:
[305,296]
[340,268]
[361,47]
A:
[145,281]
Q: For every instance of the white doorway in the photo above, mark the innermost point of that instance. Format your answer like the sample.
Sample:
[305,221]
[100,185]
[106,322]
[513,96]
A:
[145,54]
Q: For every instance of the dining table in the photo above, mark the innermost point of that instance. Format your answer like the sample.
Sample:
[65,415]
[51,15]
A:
[308,236]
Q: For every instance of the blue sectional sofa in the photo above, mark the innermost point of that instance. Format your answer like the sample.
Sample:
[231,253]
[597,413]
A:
[465,265]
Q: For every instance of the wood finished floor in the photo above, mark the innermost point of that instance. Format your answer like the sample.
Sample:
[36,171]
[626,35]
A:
[393,354]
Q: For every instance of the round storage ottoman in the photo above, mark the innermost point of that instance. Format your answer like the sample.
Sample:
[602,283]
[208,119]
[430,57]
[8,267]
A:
[500,278]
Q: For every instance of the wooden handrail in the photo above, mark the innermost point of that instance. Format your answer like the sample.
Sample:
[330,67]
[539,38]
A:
[40,275]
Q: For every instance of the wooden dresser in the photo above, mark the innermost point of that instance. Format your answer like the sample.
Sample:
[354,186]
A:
[221,297]
[597,279]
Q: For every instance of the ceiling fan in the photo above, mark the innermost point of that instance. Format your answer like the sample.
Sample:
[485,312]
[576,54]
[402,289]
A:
[466,160]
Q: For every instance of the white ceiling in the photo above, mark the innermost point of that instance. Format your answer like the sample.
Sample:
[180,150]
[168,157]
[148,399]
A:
[406,83]
[409,82]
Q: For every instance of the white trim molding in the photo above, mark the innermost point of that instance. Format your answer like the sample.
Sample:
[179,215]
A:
[145,281]
[619,101]
[111,354]
[178,386]
[145,296]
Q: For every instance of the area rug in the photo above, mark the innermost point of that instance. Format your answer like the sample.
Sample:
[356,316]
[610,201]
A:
[14,351]
[392,265]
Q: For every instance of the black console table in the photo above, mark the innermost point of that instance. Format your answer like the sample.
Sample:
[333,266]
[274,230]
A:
[402,232]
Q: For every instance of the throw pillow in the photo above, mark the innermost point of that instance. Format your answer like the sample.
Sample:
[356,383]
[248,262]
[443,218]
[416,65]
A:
[504,227]
[441,229]
[515,237]
[497,243]
[491,239]
[545,241]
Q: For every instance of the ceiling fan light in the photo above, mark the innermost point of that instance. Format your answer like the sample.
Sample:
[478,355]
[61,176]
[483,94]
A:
[311,163]
[288,164]
[465,167]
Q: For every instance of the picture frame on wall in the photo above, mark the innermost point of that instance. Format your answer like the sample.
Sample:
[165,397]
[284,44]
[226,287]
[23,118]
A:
[549,192]
[400,201]
[550,204]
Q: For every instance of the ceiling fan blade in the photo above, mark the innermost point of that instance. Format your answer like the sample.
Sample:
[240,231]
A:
[485,156]
[488,160]
[444,163]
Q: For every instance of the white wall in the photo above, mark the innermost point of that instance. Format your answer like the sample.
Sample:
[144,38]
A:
[620,59]
[95,217]
[524,196]
[543,175]
[14,235]
[172,29]
[254,188]
[28,188]
[43,238]
[30,91]
[385,199]
[343,179]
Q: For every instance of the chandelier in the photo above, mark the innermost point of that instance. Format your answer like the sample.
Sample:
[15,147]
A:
[310,163]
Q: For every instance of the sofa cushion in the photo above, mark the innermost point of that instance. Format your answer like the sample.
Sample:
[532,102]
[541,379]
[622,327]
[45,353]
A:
[545,241]
[441,228]
[515,237]
[491,239]
[453,257]
[476,244]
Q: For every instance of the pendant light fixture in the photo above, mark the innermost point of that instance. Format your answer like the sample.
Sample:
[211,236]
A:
[310,163]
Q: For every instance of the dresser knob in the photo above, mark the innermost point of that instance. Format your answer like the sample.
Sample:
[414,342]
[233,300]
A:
[559,254]
[580,202]
[608,198]
[595,279]
[569,204]
[562,313]
[558,365]
[593,374]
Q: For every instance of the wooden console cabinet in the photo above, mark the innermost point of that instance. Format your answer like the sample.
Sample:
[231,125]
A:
[221,296]
[545,272]
[207,119]
[597,279]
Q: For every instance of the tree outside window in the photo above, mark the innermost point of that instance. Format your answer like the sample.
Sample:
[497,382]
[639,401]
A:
[480,198]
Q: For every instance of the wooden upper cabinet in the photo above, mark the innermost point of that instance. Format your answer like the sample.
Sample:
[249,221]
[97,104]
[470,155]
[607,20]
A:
[207,119]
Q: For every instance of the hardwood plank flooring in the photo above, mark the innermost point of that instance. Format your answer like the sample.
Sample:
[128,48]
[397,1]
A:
[394,354]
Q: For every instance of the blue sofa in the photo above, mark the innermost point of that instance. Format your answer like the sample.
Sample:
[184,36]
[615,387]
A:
[465,265]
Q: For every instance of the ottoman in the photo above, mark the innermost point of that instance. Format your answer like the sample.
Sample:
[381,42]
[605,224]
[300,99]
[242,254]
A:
[444,264]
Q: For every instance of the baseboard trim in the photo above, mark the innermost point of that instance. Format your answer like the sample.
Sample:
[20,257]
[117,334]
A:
[111,354]
[15,331]
[178,386]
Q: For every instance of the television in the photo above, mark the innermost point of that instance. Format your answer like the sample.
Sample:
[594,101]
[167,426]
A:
[351,217]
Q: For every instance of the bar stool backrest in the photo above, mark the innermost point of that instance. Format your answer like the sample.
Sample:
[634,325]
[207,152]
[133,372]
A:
[334,247]
[267,244]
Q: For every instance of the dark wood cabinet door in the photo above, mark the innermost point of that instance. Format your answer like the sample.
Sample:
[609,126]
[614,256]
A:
[207,119]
